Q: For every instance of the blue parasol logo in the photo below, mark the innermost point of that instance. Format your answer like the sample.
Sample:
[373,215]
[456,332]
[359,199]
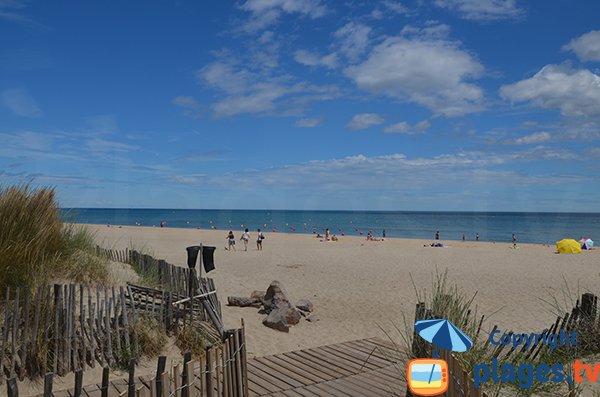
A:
[443,334]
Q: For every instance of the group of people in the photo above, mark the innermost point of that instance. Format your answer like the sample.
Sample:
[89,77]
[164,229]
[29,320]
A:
[464,238]
[245,238]
[370,236]
[328,236]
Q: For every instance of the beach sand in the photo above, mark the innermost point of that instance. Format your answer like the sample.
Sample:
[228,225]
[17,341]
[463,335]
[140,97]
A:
[361,289]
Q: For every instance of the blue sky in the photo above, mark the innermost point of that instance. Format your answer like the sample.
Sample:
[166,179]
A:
[304,104]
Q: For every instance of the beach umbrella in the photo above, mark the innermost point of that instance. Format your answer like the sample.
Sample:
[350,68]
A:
[443,334]
[568,246]
[586,243]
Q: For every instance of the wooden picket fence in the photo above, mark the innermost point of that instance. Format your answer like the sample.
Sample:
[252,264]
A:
[221,371]
[62,328]
[583,318]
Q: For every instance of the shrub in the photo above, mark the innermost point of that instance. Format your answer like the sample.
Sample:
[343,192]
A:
[36,246]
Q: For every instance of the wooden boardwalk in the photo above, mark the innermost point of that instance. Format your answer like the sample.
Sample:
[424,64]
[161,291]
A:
[367,367]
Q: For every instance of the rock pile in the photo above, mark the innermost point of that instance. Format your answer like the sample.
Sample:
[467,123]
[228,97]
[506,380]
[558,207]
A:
[281,312]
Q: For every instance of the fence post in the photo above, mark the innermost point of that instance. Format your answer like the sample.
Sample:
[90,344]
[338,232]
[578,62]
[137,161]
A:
[209,386]
[48,379]
[78,383]
[162,362]
[12,388]
[187,358]
[131,381]
[104,385]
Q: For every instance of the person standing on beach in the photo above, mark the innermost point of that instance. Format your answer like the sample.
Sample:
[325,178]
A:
[245,238]
[230,241]
[514,239]
[476,236]
[464,238]
[383,233]
[437,235]
[259,239]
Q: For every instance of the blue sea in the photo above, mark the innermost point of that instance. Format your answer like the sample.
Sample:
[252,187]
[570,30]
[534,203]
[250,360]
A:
[491,226]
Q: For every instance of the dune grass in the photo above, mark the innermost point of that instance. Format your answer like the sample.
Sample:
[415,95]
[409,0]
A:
[36,246]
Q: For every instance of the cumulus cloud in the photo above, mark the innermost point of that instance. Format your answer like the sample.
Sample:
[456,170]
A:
[482,10]
[308,58]
[308,122]
[405,128]
[574,92]
[535,138]
[244,90]
[264,13]
[353,40]
[586,47]
[365,120]
[20,102]
[428,70]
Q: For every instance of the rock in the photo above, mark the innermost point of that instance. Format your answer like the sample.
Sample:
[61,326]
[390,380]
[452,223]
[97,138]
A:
[305,305]
[258,295]
[292,315]
[312,318]
[276,300]
[277,321]
[243,302]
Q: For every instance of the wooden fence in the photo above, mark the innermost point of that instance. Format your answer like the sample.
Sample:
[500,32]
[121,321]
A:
[221,371]
[63,328]
[584,318]
[193,297]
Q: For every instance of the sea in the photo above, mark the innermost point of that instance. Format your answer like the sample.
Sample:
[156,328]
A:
[528,227]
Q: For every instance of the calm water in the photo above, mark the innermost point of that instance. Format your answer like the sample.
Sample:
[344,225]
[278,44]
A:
[491,226]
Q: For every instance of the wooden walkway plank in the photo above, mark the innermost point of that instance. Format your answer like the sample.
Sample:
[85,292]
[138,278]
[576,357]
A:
[363,379]
[310,361]
[333,361]
[267,380]
[369,362]
[291,370]
[315,375]
[376,351]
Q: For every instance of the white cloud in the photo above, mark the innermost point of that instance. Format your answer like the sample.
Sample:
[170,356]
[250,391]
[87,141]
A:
[308,58]
[308,122]
[389,9]
[586,47]
[247,91]
[536,137]
[482,10]
[353,40]
[20,101]
[405,128]
[265,13]
[574,92]
[429,71]
[365,120]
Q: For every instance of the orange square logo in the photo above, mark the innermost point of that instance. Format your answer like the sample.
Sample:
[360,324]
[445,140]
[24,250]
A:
[427,376]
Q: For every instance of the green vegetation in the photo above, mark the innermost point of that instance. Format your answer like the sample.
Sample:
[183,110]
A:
[450,302]
[36,246]
[197,338]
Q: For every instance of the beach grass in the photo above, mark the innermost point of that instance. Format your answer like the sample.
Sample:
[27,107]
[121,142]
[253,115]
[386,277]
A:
[36,246]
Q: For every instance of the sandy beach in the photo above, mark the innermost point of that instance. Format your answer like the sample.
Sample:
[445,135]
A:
[361,288]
